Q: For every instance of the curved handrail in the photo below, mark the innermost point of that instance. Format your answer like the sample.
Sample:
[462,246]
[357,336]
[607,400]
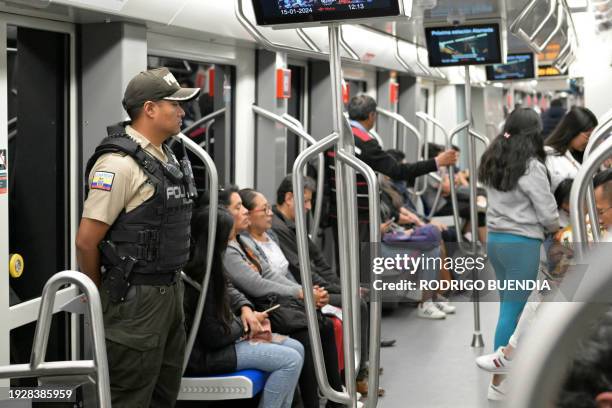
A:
[529,39]
[305,272]
[451,169]
[599,133]
[453,190]
[551,11]
[410,127]
[307,40]
[541,47]
[542,364]
[272,46]
[292,124]
[579,187]
[346,47]
[375,301]
[213,178]
[39,367]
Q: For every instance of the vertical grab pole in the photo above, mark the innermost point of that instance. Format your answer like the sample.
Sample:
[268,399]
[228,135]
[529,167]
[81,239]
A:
[345,210]
[375,301]
[477,340]
[305,273]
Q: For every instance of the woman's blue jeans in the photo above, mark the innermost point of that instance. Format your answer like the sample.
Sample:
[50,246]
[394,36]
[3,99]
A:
[514,257]
[283,362]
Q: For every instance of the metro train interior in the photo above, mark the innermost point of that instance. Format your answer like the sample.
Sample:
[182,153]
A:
[307,92]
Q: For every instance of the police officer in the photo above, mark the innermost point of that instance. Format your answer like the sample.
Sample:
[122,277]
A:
[134,237]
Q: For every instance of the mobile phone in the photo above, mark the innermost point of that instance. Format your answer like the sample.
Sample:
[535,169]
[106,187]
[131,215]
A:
[271,309]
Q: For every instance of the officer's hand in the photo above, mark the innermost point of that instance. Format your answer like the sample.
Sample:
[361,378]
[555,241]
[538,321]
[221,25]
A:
[250,322]
[447,158]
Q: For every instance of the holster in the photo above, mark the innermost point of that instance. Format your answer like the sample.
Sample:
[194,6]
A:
[116,278]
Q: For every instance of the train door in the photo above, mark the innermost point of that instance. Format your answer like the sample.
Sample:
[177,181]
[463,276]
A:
[208,119]
[38,175]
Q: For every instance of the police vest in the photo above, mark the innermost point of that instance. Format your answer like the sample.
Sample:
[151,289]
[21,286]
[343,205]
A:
[156,234]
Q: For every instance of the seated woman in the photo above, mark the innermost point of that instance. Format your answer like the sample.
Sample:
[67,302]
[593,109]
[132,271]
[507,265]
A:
[224,343]
[249,271]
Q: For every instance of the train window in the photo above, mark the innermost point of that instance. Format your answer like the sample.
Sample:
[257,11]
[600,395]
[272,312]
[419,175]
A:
[208,119]
[38,80]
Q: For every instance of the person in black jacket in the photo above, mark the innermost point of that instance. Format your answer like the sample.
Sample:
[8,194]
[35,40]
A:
[225,342]
[362,115]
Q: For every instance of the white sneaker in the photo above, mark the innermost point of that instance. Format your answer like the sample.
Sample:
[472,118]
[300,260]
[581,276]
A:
[360,404]
[445,306]
[428,310]
[496,363]
[497,392]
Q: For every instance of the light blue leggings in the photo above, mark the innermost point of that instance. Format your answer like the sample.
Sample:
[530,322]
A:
[514,257]
[283,362]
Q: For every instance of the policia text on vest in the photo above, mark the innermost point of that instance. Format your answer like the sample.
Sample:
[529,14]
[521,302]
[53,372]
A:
[134,240]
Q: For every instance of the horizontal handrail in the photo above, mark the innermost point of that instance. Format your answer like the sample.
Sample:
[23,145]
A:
[97,368]
[27,312]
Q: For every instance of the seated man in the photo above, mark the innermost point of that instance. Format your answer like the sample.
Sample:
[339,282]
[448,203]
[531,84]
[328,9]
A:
[283,224]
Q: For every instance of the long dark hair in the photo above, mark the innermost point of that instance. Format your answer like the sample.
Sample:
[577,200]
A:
[248,195]
[506,158]
[197,263]
[576,121]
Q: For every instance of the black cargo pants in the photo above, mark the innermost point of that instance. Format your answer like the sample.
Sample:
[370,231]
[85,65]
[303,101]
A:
[145,343]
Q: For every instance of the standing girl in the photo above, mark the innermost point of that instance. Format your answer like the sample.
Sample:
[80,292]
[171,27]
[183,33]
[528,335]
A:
[521,209]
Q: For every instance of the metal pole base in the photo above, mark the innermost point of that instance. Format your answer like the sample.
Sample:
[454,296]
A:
[477,341]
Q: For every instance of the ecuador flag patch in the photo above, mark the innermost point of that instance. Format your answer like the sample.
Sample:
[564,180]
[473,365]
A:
[102,180]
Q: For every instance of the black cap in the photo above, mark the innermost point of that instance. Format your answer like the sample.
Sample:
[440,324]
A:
[154,85]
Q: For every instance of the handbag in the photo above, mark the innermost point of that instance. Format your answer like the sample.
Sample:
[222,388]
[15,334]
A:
[288,318]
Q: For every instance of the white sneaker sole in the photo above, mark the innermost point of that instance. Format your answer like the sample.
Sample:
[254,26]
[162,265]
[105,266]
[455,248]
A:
[495,394]
[432,316]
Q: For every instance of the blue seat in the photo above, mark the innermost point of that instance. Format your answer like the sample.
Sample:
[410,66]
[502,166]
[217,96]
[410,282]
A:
[237,385]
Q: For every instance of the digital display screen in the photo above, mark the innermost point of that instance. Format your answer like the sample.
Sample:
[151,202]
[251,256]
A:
[274,12]
[518,66]
[463,45]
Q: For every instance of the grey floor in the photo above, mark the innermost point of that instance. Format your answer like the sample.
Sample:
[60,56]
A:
[432,363]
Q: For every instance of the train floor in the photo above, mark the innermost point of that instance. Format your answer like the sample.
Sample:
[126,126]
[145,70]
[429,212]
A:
[432,363]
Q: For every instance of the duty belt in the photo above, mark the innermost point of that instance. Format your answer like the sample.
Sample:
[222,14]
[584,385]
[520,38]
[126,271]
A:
[157,279]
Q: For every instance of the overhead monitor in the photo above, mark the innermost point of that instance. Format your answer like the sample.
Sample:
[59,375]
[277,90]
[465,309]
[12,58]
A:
[280,12]
[517,66]
[475,44]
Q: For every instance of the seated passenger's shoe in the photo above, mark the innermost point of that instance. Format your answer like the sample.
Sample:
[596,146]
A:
[428,310]
[445,307]
[497,392]
[496,363]
[362,388]
[387,342]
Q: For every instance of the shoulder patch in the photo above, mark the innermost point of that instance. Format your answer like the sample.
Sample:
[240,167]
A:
[102,180]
